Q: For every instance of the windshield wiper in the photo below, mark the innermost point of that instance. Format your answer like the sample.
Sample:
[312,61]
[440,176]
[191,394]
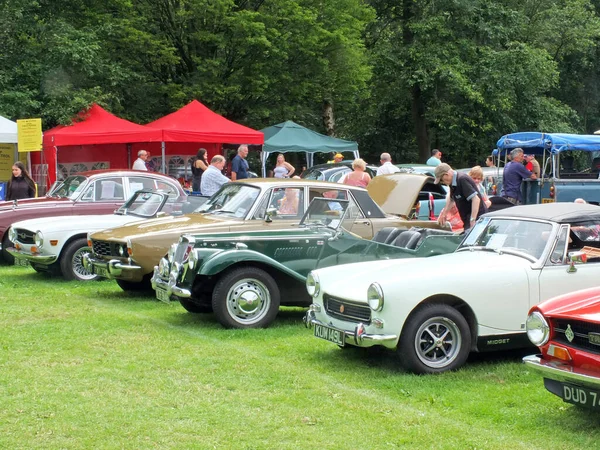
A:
[223,211]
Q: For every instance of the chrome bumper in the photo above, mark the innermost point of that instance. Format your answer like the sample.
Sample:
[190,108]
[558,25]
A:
[556,370]
[170,286]
[357,337]
[114,267]
[40,259]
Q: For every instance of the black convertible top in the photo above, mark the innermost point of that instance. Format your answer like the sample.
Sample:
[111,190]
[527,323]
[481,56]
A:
[555,212]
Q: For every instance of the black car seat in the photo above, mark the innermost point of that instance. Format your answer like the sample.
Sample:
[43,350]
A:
[407,239]
[383,234]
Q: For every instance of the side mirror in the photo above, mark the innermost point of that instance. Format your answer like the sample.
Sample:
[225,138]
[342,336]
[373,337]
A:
[271,212]
[576,258]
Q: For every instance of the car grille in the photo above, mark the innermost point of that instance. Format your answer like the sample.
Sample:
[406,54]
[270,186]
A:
[343,309]
[25,236]
[103,248]
[581,332]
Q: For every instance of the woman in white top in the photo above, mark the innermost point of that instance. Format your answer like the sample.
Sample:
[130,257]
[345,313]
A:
[283,169]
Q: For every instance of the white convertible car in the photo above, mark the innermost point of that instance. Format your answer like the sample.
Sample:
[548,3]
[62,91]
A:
[434,311]
[57,244]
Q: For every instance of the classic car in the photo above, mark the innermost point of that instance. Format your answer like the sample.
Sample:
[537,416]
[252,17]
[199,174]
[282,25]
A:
[129,253]
[333,172]
[567,331]
[93,192]
[243,277]
[57,244]
[433,312]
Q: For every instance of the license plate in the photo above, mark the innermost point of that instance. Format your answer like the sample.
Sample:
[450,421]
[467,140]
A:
[21,262]
[548,200]
[576,395]
[330,334]
[100,271]
[161,294]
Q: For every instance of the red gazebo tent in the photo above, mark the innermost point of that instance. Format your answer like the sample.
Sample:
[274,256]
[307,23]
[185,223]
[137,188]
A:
[95,127]
[198,124]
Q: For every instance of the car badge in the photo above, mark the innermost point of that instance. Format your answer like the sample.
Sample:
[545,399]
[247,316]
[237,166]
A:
[594,338]
[569,334]
[22,236]
[342,309]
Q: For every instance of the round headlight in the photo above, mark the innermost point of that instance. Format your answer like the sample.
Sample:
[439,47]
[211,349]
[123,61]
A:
[12,234]
[375,297]
[39,239]
[192,259]
[538,330]
[121,250]
[313,286]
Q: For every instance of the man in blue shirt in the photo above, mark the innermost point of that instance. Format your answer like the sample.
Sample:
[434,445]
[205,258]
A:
[514,173]
[239,165]
[436,158]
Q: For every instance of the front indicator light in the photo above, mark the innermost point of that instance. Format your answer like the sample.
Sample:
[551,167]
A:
[559,352]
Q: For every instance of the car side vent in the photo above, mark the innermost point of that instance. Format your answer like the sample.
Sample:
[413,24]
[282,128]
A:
[287,253]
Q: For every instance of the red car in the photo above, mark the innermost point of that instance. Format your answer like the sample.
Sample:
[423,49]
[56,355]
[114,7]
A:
[567,331]
[86,193]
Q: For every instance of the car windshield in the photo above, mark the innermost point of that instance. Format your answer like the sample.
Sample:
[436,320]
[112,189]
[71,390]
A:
[516,236]
[232,200]
[313,174]
[71,187]
[329,212]
[144,204]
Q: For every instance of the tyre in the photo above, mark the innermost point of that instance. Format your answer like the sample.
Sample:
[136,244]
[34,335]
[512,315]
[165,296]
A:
[247,297]
[7,258]
[435,339]
[136,286]
[71,261]
[195,308]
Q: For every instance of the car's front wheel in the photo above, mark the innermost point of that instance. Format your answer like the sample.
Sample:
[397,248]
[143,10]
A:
[71,261]
[435,338]
[247,297]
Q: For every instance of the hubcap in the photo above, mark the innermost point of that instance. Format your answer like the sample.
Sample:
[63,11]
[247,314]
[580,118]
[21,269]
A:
[77,265]
[438,342]
[248,301]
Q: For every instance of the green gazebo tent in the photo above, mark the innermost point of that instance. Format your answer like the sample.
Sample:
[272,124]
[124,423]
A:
[291,137]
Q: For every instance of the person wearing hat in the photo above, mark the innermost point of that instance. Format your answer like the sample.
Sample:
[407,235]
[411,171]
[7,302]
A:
[338,158]
[463,193]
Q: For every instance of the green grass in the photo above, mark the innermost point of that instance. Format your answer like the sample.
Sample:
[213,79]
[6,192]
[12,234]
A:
[85,365]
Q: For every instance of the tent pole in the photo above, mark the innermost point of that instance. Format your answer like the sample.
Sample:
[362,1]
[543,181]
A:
[263,159]
[162,152]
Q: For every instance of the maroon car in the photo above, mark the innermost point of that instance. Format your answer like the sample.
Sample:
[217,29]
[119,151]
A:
[93,192]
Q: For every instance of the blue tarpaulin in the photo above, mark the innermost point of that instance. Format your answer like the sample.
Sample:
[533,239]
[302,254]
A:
[536,143]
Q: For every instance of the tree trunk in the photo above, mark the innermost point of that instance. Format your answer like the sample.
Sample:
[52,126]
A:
[328,118]
[418,115]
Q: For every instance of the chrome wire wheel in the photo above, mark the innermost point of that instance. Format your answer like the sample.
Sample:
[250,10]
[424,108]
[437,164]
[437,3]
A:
[77,264]
[438,342]
[248,301]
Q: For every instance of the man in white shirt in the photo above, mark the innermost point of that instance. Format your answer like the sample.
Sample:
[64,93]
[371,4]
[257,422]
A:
[212,178]
[386,165]
[140,162]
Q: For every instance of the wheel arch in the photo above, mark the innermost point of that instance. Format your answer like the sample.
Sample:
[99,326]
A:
[458,304]
[68,242]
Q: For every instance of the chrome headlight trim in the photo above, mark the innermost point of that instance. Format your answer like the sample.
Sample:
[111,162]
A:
[193,259]
[375,297]
[39,239]
[538,330]
[171,253]
[12,235]
[313,285]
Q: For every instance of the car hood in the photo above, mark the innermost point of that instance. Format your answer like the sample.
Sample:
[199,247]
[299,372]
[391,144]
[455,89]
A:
[397,193]
[443,274]
[579,305]
[176,225]
[46,202]
[75,223]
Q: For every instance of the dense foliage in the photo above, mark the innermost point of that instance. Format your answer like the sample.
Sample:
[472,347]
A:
[398,76]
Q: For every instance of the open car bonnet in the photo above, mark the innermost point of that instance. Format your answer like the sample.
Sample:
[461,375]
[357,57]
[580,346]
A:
[397,193]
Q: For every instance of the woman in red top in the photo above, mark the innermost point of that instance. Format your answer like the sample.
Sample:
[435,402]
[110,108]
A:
[358,177]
